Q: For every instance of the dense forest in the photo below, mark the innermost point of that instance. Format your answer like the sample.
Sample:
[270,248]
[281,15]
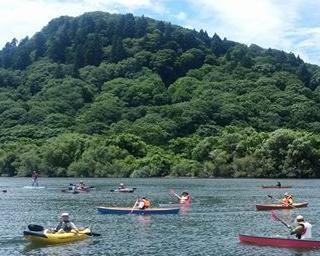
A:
[104,95]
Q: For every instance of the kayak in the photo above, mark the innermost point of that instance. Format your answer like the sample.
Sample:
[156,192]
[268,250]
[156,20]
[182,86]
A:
[279,242]
[46,237]
[265,207]
[35,187]
[116,210]
[173,205]
[276,187]
[123,190]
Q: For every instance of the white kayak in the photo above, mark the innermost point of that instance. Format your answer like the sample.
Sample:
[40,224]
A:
[35,187]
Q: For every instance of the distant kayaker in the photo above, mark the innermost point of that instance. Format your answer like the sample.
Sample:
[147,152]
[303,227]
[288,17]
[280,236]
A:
[121,186]
[144,203]
[184,198]
[81,185]
[303,228]
[65,225]
[35,176]
[278,184]
[287,200]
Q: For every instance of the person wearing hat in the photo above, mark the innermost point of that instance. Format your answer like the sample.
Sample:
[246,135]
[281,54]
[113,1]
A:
[65,225]
[144,203]
[287,200]
[303,228]
[121,186]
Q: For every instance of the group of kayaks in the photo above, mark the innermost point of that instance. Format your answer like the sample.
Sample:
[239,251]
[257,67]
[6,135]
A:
[277,241]
[38,234]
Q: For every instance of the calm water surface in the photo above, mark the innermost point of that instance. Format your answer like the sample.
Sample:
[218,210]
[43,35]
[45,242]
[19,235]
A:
[221,209]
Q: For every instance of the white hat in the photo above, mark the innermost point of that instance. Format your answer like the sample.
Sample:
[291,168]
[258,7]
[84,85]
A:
[299,218]
[65,214]
[286,194]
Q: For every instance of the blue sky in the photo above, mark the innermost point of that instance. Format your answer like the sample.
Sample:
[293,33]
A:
[289,25]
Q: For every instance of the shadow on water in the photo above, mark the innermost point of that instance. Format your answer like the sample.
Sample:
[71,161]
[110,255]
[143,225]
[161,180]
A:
[37,247]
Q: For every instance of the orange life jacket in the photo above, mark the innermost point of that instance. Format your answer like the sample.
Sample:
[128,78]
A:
[146,203]
[287,201]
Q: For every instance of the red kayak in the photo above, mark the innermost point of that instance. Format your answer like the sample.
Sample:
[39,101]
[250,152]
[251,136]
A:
[279,242]
[276,187]
[266,207]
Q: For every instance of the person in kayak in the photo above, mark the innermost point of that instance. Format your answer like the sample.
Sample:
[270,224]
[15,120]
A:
[81,185]
[184,198]
[65,225]
[303,228]
[121,186]
[287,199]
[35,176]
[144,203]
[278,184]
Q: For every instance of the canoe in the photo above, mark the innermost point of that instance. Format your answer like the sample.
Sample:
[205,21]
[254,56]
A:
[116,210]
[279,242]
[265,207]
[46,237]
[35,187]
[276,187]
[123,190]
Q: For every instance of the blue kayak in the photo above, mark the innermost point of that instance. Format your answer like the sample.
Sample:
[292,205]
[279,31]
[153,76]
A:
[116,210]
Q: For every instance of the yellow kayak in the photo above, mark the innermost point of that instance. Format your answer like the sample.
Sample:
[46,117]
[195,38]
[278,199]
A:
[48,237]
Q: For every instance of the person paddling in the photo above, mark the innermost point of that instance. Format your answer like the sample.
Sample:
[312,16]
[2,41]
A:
[278,184]
[287,200]
[65,225]
[303,228]
[121,186]
[184,198]
[35,176]
[144,203]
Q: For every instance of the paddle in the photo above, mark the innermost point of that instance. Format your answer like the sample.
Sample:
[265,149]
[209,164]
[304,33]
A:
[289,205]
[276,217]
[38,228]
[174,194]
[134,205]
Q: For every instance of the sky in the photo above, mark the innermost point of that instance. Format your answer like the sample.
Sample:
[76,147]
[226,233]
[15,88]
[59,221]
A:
[288,25]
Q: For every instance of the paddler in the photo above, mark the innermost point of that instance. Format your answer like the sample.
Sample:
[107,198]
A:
[278,184]
[35,176]
[184,198]
[287,199]
[303,228]
[121,186]
[144,203]
[65,225]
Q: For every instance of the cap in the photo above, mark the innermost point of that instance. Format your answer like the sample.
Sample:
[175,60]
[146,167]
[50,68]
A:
[286,194]
[121,184]
[299,218]
[65,214]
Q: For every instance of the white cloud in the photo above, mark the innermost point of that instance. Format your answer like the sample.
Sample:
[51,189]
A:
[20,18]
[268,23]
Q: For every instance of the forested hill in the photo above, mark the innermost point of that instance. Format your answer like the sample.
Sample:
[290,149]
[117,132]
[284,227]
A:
[104,95]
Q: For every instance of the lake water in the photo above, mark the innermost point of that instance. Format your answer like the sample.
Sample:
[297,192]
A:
[221,209]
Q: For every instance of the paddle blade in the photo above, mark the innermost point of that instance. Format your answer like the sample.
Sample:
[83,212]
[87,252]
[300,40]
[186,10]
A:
[93,234]
[34,227]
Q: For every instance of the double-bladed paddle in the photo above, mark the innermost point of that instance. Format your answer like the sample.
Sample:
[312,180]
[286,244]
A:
[276,217]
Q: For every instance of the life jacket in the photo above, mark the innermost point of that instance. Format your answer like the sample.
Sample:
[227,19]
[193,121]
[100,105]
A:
[287,201]
[65,226]
[146,203]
